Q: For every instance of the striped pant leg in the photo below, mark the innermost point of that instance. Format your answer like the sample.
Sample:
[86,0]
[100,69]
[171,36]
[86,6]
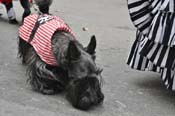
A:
[134,59]
[168,77]
[142,13]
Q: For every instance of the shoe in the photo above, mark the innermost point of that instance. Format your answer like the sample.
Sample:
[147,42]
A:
[13,21]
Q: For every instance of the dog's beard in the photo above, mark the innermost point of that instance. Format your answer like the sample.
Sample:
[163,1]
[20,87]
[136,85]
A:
[85,92]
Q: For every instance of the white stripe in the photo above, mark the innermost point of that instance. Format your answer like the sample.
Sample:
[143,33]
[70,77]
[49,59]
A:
[152,26]
[142,19]
[145,22]
[135,9]
[164,74]
[165,58]
[164,5]
[171,5]
[133,55]
[152,51]
[163,30]
[173,87]
[159,33]
[156,8]
[133,1]
[158,54]
[172,35]
[154,2]
[137,59]
[166,83]
[144,63]
[150,65]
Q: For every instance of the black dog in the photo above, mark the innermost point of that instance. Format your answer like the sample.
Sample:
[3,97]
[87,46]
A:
[74,69]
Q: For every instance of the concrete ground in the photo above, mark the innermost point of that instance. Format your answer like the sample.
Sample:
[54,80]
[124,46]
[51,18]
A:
[127,92]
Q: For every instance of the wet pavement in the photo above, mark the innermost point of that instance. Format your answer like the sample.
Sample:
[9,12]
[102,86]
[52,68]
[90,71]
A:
[127,92]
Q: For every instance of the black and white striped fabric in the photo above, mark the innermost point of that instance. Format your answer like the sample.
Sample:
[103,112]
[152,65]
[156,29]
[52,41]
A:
[154,47]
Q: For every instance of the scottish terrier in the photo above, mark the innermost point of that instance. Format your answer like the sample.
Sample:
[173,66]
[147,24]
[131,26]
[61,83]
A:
[57,61]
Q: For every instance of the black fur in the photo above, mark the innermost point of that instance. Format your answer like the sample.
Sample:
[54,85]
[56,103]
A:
[83,88]
[85,92]
[76,72]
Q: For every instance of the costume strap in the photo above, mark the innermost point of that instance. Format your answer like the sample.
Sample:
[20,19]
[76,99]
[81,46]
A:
[42,19]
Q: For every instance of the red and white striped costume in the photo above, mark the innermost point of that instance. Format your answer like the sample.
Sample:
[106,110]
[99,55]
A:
[41,41]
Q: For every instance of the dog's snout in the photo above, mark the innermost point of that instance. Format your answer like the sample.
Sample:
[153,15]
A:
[84,103]
[94,100]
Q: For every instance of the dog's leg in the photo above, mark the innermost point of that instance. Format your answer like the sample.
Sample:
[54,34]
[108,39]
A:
[23,48]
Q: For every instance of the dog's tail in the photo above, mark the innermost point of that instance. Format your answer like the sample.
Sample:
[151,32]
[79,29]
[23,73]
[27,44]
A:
[43,5]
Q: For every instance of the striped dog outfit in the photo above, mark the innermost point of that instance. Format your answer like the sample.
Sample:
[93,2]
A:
[154,46]
[38,30]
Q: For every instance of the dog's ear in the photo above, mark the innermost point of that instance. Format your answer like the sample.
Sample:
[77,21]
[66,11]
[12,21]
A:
[92,45]
[73,53]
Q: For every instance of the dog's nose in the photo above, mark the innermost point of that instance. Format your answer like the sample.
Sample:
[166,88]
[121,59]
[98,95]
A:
[94,100]
[84,103]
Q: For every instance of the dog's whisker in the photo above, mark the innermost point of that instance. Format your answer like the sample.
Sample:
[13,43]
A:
[101,80]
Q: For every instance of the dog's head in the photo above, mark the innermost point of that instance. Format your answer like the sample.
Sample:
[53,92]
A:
[84,89]
[85,92]
[81,61]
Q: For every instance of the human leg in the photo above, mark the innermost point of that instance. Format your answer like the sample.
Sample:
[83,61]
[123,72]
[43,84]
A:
[26,5]
[11,13]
